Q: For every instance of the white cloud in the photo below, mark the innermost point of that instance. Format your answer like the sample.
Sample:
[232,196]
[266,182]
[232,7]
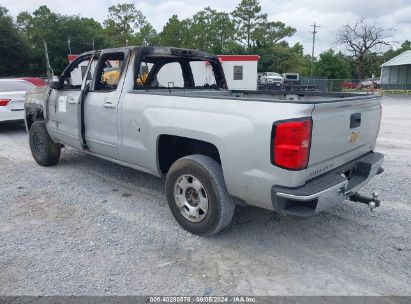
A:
[300,14]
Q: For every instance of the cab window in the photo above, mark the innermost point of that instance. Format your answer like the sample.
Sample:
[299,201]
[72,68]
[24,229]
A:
[159,75]
[142,74]
[169,72]
[73,77]
[203,74]
[109,72]
[170,75]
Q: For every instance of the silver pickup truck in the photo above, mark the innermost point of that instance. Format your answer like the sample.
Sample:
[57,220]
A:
[168,112]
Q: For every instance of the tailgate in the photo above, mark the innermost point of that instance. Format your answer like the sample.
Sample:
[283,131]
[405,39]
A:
[341,132]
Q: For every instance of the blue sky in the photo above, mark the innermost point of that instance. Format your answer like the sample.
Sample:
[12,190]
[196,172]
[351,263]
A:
[330,14]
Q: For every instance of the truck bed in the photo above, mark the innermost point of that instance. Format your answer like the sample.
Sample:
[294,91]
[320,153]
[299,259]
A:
[262,96]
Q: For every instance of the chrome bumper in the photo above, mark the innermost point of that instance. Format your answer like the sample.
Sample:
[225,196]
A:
[327,190]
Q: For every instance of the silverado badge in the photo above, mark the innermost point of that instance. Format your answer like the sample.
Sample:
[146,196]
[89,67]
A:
[354,136]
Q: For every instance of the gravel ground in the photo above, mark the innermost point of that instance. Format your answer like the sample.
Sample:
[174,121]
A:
[90,227]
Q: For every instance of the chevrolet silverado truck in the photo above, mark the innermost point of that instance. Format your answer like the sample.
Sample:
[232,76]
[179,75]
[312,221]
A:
[294,153]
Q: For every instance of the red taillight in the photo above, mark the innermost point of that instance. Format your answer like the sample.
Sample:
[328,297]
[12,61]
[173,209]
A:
[291,144]
[4,102]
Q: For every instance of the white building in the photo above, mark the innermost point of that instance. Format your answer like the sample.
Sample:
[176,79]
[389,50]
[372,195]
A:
[396,73]
[240,71]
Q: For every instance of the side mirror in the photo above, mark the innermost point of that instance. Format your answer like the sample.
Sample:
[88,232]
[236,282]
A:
[55,83]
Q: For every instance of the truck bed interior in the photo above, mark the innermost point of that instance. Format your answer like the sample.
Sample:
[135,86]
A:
[153,61]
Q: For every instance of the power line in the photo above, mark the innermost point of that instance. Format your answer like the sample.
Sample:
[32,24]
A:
[315,26]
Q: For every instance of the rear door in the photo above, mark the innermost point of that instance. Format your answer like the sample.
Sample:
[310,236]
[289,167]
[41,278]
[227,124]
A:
[101,103]
[342,131]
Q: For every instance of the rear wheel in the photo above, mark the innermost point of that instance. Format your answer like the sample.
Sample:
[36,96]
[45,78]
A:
[45,152]
[197,195]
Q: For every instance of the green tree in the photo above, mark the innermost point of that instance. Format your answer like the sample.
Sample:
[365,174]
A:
[174,33]
[224,32]
[373,61]
[272,32]
[333,65]
[248,20]
[391,53]
[13,50]
[147,35]
[125,24]
[305,65]
[84,33]
[56,30]
[282,58]
[211,31]
[39,26]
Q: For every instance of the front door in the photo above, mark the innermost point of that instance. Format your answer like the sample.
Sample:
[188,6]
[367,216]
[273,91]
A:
[65,100]
[101,104]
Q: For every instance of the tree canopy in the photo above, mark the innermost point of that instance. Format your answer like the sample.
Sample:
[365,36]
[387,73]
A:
[360,38]
[125,25]
[12,45]
[249,21]
[245,30]
[333,65]
[60,32]
[174,32]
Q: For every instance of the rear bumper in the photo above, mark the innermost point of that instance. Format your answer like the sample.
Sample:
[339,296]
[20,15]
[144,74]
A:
[7,114]
[327,190]
[276,82]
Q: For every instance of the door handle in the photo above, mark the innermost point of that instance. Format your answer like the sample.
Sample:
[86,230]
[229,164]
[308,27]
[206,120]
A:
[72,101]
[355,120]
[109,105]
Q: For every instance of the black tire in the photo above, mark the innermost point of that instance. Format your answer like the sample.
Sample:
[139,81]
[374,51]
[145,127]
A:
[220,204]
[45,152]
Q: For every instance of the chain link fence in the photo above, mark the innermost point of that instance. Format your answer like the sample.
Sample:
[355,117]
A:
[332,85]
[352,85]
[323,84]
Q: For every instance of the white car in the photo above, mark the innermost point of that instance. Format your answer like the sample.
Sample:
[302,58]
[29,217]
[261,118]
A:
[12,96]
[271,78]
[367,83]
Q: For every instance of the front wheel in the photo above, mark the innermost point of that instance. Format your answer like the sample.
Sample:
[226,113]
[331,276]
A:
[44,150]
[197,195]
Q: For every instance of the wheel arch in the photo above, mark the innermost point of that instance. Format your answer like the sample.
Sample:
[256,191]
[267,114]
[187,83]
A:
[32,113]
[172,147]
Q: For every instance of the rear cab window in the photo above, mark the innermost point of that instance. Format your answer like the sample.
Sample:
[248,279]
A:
[165,71]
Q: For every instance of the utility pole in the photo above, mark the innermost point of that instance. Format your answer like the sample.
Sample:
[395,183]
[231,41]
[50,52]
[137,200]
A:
[315,26]
[69,43]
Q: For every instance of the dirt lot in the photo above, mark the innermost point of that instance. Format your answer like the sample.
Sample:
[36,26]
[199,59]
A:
[89,227]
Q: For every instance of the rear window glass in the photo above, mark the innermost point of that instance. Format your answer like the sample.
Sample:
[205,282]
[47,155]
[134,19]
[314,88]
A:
[203,73]
[12,86]
[291,76]
[170,75]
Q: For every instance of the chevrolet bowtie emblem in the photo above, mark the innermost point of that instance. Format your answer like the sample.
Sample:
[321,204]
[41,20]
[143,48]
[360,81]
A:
[354,136]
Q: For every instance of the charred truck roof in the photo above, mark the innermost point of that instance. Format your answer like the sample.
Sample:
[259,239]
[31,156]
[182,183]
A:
[172,54]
